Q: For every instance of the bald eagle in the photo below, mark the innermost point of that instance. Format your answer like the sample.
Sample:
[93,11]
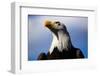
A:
[61,47]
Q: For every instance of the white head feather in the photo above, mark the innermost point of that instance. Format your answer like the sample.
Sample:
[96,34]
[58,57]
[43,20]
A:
[61,43]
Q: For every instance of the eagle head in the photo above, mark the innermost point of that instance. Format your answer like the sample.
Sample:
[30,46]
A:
[55,26]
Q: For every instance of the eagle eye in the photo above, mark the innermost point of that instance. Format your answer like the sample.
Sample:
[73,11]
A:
[58,23]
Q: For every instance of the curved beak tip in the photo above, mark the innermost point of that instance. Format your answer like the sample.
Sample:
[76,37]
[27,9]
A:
[47,23]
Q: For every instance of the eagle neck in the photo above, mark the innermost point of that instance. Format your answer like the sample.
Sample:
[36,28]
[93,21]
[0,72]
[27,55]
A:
[61,41]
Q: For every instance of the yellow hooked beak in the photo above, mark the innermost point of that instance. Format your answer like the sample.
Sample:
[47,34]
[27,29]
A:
[48,24]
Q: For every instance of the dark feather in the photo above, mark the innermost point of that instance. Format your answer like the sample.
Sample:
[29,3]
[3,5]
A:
[42,56]
[74,53]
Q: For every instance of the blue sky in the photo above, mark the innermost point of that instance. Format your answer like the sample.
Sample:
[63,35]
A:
[40,38]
